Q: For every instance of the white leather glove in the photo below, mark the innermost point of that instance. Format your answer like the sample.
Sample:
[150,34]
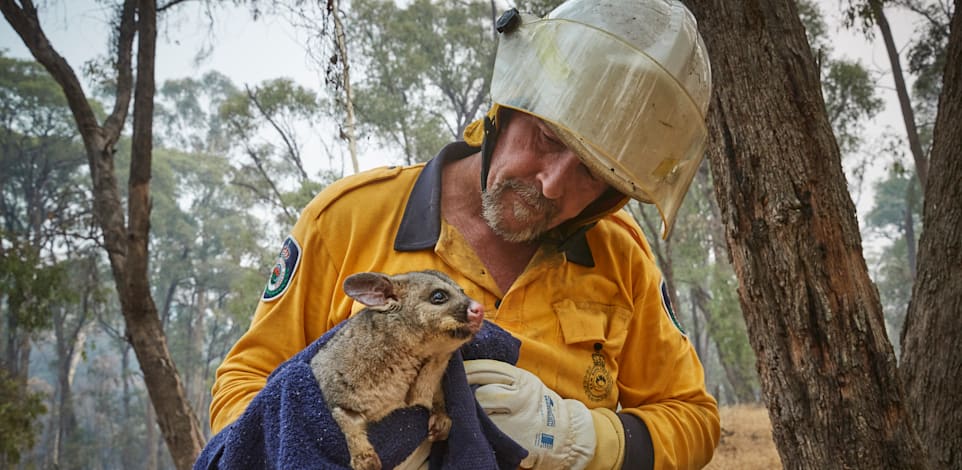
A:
[558,433]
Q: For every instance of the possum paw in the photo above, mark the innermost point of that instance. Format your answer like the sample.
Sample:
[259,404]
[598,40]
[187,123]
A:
[438,427]
[367,460]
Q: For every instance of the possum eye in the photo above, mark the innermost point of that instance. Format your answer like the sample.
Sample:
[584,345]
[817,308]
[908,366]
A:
[439,297]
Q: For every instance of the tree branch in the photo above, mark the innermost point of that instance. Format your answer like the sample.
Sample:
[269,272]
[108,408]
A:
[288,142]
[113,125]
[263,172]
[25,22]
[170,4]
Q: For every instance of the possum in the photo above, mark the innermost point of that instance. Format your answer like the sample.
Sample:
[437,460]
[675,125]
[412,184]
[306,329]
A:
[393,353]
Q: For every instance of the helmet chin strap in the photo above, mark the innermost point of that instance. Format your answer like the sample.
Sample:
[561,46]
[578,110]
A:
[487,148]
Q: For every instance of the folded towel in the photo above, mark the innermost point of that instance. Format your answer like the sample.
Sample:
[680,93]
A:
[288,426]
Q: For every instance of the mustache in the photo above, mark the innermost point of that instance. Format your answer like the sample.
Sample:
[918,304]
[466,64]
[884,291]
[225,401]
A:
[531,196]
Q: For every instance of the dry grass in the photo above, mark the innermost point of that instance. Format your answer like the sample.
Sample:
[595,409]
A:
[746,440]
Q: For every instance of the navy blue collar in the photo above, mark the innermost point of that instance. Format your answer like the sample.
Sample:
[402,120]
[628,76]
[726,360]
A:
[421,225]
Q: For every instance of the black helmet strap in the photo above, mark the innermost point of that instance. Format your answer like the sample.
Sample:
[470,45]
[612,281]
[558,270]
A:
[487,148]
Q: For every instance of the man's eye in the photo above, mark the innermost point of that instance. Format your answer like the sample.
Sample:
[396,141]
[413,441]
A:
[551,138]
[439,297]
[552,141]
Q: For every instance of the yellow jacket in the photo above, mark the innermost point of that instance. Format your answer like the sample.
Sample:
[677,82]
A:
[591,315]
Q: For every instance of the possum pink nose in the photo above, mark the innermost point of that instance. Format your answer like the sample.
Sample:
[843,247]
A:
[475,315]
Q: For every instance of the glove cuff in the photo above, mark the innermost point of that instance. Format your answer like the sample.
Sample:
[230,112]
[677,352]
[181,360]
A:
[610,435]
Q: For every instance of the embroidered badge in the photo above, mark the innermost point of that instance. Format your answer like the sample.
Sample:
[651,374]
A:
[666,301]
[283,270]
[597,382]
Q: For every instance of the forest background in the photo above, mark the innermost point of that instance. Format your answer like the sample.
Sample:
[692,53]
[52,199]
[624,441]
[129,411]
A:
[235,156]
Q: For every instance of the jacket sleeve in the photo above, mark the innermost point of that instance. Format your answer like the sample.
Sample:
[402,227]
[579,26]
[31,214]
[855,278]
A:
[290,316]
[662,381]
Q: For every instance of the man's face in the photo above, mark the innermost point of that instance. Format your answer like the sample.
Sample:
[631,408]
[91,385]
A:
[535,182]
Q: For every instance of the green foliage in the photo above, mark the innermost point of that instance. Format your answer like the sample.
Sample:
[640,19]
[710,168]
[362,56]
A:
[888,210]
[41,161]
[851,100]
[41,195]
[727,327]
[896,199]
[858,14]
[280,99]
[31,102]
[893,277]
[204,232]
[849,90]
[265,126]
[926,61]
[537,7]
[18,411]
[424,74]
[815,28]
[29,287]
[186,114]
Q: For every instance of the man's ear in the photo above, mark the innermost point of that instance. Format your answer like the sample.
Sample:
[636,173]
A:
[370,289]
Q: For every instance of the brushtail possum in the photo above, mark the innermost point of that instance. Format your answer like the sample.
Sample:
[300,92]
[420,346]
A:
[393,353]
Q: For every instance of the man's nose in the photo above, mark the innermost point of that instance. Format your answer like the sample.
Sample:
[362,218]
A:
[559,174]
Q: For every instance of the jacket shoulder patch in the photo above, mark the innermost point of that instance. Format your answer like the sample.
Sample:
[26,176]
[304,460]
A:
[283,270]
[666,302]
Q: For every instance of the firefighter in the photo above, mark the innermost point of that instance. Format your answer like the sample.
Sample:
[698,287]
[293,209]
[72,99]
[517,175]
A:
[598,102]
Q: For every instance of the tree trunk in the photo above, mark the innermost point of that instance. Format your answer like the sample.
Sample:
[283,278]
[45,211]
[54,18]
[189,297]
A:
[908,116]
[177,420]
[128,458]
[126,246]
[151,448]
[69,344]
[196,382]
[340,41]
[931,357]
[813,315]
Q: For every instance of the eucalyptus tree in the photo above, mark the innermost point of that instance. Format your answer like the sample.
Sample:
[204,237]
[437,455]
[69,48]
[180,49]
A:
[931,321]
[209,246]
[424,75]
[926,56]
[205,256]
[888,221]
[926,59]
[266,125]
[814,318]
[187,113]
[828,374]
[125,236]
[41,209]
[932,325]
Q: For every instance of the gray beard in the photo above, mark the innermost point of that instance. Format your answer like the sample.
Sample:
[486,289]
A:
[533,217]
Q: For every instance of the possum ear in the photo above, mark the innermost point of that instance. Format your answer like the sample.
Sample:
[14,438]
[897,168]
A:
[371,289]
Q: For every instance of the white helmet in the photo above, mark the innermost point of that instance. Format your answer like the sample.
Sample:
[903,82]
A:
[624,83]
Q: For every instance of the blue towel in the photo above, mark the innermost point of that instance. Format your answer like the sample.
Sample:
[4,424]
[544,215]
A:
[288,426]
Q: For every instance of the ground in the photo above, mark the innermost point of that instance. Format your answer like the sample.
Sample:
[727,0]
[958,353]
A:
[746,440]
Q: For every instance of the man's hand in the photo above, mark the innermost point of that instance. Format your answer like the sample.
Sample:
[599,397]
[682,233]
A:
[557,433]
